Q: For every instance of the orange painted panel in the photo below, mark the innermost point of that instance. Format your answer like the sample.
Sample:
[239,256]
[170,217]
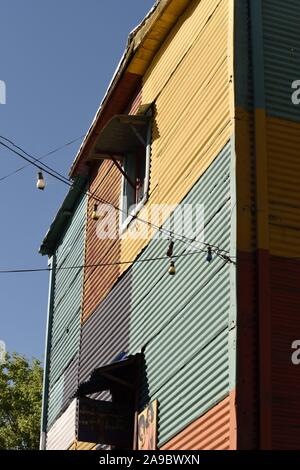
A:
[99,280]
[216,430]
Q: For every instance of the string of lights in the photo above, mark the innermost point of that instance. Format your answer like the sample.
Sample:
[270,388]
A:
[52,152]
[48,170]
[97,265]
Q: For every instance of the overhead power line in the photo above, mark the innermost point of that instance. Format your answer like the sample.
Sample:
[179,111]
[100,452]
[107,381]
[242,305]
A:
[98,265]
[48,170]
[52,152]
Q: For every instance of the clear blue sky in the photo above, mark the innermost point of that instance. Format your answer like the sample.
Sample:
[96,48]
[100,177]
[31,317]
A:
[57,58]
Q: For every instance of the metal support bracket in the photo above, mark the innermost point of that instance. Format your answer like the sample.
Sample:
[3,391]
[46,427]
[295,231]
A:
[123,172]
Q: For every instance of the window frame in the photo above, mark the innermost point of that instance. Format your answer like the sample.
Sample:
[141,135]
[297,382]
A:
[125,222]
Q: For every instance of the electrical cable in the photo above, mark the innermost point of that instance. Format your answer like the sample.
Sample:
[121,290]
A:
[52,152]
[63,179]
[97,265]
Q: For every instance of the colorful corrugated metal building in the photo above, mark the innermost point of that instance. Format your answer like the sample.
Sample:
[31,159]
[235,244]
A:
[198,112]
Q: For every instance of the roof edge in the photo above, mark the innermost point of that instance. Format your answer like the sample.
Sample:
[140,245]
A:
[135,41]
[65,213]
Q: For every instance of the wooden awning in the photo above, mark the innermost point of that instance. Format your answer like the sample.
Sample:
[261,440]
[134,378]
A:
[115,375]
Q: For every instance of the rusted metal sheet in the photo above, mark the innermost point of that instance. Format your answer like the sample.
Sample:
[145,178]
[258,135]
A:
[212,431]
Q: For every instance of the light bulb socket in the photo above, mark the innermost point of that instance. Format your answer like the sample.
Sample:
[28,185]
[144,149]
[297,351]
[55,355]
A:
[95,215]
[209,255]
[170,249]
[41,181]
[172,269]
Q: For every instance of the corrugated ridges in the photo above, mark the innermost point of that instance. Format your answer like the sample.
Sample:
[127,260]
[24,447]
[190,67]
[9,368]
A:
[62,433]
[192,120]
[106,332]
[193,372]
[281,23]
[106,185]
[285,305]
[283,139]
[210,432]
[65,332]
[188,373]
[70,380]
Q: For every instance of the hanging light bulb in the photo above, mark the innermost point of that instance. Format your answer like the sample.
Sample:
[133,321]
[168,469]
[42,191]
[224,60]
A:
[41,181]
[209,255]
[170,249]
[95,215]
[172,269]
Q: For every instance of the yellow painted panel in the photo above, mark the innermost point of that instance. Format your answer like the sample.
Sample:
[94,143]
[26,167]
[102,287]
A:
[154,32]
[82,446]
[283,143]
[189,27]
[190,82]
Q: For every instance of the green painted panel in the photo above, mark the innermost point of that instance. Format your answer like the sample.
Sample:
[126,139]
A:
[281,26]
[242,64]
[55,401]
[65,331]
[182,321]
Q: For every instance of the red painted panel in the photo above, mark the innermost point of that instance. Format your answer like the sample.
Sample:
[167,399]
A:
[215,430]
[285,308]
[247,384]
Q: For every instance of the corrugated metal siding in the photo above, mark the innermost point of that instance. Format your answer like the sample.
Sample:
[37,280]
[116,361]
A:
[62,433]
[210,432]
[192,110]
[242,54]
[82,446]
[70,380]
[247,385]
[98,280]
[106,186]
[135,104]
[106,332]
[281,23]
[55,401]
[188,373]
[285,305]
[65,332]
[283,140]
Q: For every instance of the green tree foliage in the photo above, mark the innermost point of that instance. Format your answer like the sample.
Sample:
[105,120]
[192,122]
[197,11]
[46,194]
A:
[20,403]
